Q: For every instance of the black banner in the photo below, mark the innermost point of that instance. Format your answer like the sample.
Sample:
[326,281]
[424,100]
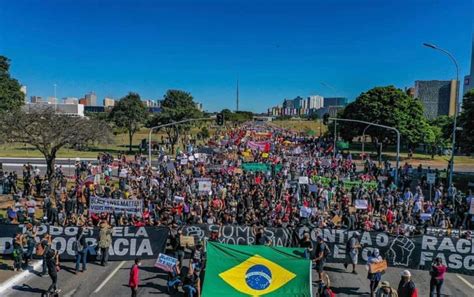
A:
[410,252]
[127,242]
[244,235]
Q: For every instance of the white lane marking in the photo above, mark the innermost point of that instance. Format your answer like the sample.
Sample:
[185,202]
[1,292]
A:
[70,293]
[465,281]
[110,276]
[15,280]
[37,165]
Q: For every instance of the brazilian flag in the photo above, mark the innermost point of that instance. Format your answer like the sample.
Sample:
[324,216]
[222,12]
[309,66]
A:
[240,270]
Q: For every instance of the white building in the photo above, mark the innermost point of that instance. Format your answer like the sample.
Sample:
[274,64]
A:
[52,100]
[23,90]
[315,102]
[66,109]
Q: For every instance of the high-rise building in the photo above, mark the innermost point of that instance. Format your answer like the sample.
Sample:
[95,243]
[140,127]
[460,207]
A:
[298,102]
[437,96]
[288,103]
[315,102]
[109,102]
[36,99]
[469,79]
[91,99]
[70,100]
[335,101]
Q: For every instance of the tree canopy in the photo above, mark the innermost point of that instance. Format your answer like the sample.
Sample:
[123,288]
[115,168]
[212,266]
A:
[48,132]
[176,106]
[387,106]
[466,122]
[129,113]
[11,96]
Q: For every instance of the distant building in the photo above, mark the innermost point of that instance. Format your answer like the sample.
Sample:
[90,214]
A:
[437,96]
[91,99]
[83,101]
[335,101]
[52,100]
[315,102]
[198,106]
[66,109]
[288,103]
[109,102]
[70,100]
[36,99]
[298,102]
[94,109]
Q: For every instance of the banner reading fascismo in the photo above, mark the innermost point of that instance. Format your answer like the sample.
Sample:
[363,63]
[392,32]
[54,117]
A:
[127,242]
[416,252]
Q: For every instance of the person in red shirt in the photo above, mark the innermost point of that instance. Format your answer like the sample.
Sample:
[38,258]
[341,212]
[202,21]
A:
[437,277]
[134,279]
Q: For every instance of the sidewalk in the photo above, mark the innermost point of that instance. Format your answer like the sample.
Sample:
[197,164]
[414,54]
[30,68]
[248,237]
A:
[10,278]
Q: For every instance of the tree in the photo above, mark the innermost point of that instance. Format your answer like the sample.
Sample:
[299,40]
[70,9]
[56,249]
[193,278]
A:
[129,113]
[10,95]
[48,132]
[466,122]
[445,124]
[386,106]
[176,106]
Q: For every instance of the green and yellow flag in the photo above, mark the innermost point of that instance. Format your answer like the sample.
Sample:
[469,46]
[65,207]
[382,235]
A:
[240,270]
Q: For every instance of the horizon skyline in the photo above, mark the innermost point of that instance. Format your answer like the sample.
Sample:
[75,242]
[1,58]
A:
[275,50]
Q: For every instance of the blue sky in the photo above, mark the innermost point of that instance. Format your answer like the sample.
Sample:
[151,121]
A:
[278,49]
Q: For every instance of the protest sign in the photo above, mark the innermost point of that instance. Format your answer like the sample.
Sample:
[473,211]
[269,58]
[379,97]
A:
[378,267]
[186,241]
[303,180]
[178,199]
[183,161]
[313,188]
[165,262]
[204,185]
[98,205]
[305,212]
[361,204]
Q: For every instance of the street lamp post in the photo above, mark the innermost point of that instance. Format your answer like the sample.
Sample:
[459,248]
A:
[456,110]
[363,137]
[167,125]
[382,126]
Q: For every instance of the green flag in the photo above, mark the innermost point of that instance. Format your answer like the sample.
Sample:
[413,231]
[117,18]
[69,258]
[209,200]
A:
[241,270]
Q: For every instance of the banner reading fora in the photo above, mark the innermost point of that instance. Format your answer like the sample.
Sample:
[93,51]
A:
[98,205]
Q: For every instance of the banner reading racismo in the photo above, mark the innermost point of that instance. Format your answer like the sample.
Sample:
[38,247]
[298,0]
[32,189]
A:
[411,252]
[98,205]
[233,234]
[127,242]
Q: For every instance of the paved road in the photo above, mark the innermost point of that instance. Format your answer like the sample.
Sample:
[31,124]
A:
[113,280]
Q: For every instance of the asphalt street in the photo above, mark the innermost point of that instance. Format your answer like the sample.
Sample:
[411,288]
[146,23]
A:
[113,281]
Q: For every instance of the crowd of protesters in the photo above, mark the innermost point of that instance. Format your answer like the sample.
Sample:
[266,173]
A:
[241,196]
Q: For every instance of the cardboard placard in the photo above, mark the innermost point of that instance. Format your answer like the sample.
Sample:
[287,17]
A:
[336,219]
[352,209]
[378,267]
[165,262]
[186,241]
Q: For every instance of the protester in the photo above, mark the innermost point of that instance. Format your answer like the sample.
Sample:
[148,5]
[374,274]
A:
[322,251]
[374,277]
[174,278]
[437,273]
[352,251]
[81,250]
[192,283]
[134,279]
[17,252]
[52,262]
[385,290]
[105,241]
[29,237]
[406,287]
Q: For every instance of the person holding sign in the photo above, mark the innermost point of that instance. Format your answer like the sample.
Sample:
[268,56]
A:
[374,276]
[174,278]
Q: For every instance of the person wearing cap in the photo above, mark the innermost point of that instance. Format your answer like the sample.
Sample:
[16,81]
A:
[437,273]
[406,287]
[385,290]
[352,251]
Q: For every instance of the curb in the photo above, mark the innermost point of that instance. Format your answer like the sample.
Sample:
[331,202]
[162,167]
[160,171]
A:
[16,279]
